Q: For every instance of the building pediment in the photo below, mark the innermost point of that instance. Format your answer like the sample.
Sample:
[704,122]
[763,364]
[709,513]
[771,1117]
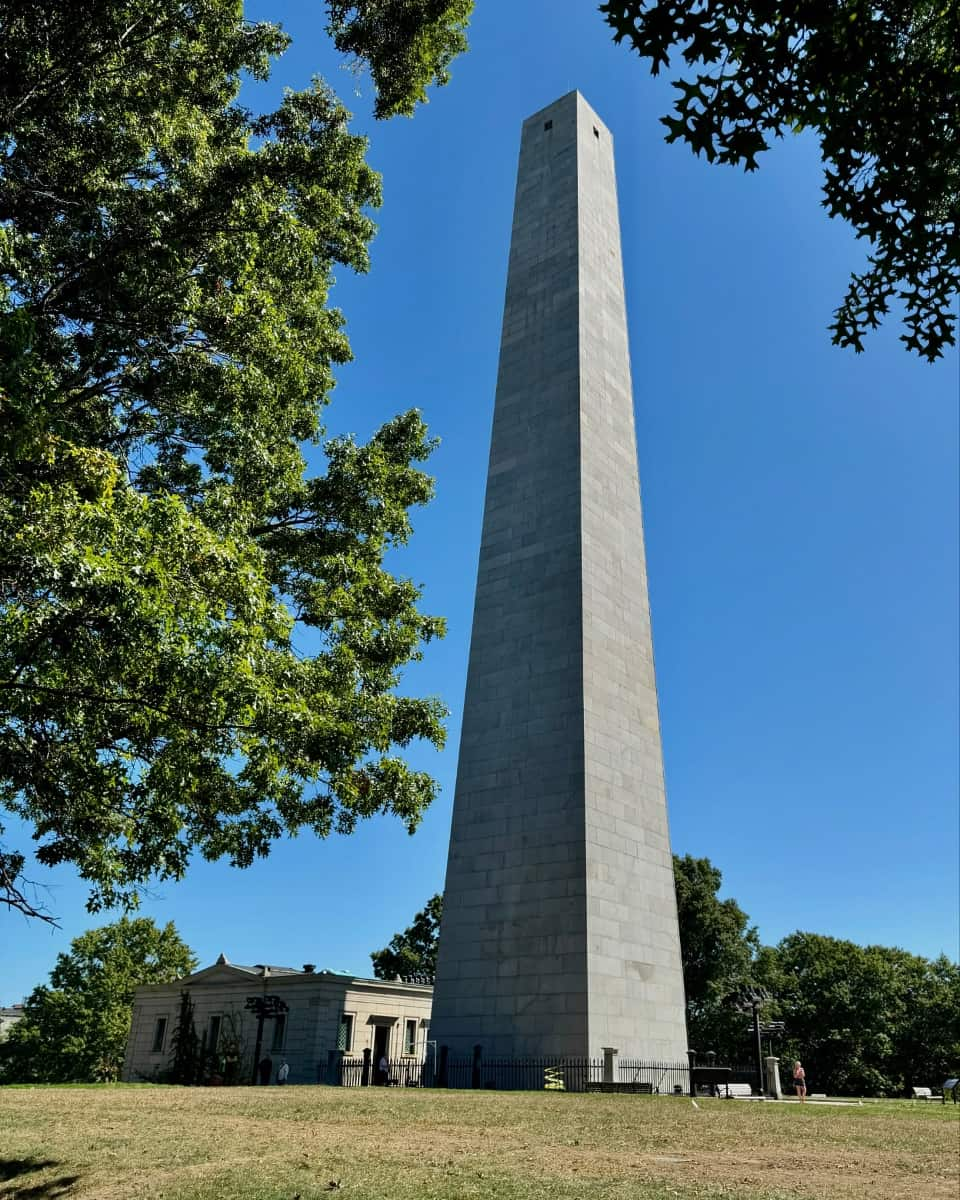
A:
[219,973]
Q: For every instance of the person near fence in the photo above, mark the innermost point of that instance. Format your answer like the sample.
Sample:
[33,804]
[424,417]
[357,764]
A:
[800,1081]
[383,1070]
[283,1072]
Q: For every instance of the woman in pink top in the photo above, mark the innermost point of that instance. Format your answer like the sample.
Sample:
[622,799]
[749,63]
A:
[800,1081]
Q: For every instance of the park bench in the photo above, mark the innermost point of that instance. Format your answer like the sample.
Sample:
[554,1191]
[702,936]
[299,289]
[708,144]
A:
[735,1091]
[704,1080]
[623,1087]
[923,1093]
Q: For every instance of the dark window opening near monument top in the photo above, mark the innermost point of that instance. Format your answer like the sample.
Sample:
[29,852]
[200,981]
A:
[596,132]
[410,1038]
[159,1033]
[547,125]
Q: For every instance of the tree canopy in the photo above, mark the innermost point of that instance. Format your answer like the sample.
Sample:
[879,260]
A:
[407,44]
[199,642]
[412,953]
[75,1030]
[865,1019]
[717,948]
[877,84]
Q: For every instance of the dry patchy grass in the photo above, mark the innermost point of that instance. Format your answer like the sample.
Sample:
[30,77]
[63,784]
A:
[371,1143]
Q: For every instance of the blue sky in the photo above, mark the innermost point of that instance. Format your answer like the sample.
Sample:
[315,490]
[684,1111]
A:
[800,509]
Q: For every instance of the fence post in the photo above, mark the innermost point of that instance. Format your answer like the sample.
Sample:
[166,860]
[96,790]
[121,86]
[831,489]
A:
[365,1074]
[475,1069]
[758,1046]
[334,1073]
[773,1079]
[692,1059]
[442,1066]
[609,1054]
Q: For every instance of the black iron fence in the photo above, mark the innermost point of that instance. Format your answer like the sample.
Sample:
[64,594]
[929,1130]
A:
[399,1072]
[744,1073]
[533,1073]
[351,1072]
[523,1074]
[663,1078]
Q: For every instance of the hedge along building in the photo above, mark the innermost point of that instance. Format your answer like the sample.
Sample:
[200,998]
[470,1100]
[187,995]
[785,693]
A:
[328,1014]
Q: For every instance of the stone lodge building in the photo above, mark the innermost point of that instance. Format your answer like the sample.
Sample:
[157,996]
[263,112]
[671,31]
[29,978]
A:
[329,1015]
[8,1018]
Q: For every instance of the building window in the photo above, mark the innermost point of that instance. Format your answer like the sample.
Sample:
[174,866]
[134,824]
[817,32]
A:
[596,133]
[213,1033]
[159,1034]
[279,1032]
[410,1037]
[345,1032]
[547,125]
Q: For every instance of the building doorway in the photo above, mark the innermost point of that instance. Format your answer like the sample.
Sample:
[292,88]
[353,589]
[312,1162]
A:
[381,1049]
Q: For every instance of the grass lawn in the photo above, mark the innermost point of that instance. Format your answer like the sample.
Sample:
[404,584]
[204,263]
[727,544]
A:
[128,1143]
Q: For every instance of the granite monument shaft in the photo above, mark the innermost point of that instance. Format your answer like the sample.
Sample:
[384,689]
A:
[559,934]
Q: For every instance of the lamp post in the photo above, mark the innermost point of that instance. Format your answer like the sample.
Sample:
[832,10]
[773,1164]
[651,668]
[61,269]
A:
[749,999]
[772,1030]
[264,1008]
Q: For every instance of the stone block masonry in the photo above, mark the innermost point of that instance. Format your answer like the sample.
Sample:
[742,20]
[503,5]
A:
[559,934]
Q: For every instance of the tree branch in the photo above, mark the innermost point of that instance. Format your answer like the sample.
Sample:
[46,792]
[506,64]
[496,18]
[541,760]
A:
[13,895]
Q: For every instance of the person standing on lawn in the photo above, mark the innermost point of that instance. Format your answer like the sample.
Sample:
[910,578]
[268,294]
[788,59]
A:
[800,1081]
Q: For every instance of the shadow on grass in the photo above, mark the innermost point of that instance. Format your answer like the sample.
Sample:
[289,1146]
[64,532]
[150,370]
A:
[14,1184]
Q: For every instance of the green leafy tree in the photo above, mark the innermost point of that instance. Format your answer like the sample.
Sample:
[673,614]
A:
[718,948]
[414,951]
[929,1047]
[406,44]
[866,1020]
[199,642]
[877,85]
[75,1030]
[183,1043]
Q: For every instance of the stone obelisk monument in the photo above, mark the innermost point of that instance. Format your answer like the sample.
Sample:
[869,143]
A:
[559,932]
